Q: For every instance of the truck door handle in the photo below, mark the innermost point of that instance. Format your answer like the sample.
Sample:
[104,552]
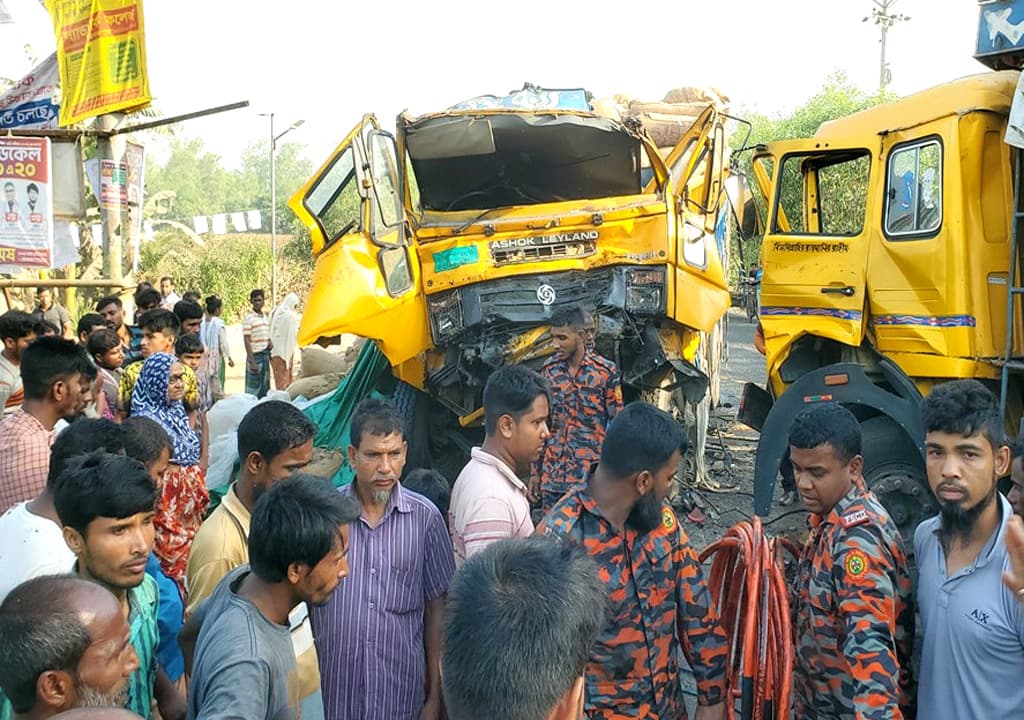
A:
[846,290]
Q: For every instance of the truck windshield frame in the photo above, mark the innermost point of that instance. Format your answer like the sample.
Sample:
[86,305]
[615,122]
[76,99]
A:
[835,183]
[536,159]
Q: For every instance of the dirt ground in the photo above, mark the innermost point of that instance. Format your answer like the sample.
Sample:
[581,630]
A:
[731,448]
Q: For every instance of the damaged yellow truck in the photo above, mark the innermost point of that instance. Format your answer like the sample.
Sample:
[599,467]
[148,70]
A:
[450,242]
[891,263]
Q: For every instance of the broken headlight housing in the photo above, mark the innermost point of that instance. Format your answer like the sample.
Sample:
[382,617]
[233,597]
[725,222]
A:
[446,318]
[645,290]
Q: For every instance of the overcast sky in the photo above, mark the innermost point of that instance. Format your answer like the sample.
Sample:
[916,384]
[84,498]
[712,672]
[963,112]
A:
[329,62]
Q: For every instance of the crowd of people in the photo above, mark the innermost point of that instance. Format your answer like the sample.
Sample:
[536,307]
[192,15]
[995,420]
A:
[392,598]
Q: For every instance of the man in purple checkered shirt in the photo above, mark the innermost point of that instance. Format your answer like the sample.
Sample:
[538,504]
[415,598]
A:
[379,637]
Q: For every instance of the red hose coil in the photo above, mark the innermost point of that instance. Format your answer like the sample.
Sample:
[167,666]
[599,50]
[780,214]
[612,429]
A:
[748,587]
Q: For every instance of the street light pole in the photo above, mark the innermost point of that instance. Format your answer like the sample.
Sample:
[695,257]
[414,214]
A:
[273,202]
[885,20]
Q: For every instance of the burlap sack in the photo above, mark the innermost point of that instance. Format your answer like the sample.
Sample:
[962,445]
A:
[325,462]
[312,387]
[318,361]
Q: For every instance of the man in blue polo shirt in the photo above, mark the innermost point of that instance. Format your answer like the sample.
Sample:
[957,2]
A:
[973,626]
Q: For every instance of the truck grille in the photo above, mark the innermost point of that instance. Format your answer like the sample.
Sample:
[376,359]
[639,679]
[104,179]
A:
[512,256]
[532,298]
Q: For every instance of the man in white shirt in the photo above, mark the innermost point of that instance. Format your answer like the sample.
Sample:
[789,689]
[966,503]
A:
[489,500]
[31,538]
[169,297]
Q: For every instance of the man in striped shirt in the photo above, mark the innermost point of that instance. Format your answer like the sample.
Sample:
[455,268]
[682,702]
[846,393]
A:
[379,636]
[256,336]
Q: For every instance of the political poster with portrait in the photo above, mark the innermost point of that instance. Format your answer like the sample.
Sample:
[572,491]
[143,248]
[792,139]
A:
[26,204]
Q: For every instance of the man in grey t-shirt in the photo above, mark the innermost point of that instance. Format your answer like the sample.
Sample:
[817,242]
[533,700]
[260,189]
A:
[244,663]
[973,626]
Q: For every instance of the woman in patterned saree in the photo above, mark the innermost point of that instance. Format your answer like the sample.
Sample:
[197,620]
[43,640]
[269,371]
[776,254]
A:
[158,395]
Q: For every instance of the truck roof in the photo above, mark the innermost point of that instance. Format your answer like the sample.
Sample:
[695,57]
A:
[991,91]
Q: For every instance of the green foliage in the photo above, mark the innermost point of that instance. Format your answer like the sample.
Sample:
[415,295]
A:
[229,266]
[193,182]
[837,98]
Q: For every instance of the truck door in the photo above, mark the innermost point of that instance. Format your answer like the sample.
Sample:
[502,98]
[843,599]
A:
[367,279]
[695,188]
[815,251]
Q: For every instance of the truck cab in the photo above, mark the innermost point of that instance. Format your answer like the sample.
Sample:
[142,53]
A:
[450,243]
[886,270]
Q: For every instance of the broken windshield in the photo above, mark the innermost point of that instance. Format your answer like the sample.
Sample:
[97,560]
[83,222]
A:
[481,162]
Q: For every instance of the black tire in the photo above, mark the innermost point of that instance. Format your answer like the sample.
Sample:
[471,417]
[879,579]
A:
[414,408]
[895,472]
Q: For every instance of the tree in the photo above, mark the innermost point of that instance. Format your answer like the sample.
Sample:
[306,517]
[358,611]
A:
[292,171]
[837,98]
[200,185]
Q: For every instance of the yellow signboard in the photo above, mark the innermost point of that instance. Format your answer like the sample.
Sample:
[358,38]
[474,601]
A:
[101,52]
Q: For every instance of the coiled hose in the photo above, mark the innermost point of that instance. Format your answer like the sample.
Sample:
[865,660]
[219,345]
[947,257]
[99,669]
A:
[748,586]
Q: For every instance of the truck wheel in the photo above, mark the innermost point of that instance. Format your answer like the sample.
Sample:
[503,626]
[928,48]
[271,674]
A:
[413,407]
[894,471]
[695,418]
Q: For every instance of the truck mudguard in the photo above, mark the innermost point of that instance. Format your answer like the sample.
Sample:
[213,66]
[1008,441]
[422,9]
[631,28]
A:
[844,383]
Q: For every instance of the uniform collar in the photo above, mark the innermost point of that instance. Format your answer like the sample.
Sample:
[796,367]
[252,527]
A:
[835,515]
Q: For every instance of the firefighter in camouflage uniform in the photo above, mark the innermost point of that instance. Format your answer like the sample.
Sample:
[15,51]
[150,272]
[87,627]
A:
[585,395]
[660,606]
[852,611]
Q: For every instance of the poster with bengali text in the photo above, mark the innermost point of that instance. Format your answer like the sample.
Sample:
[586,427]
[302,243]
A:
[26,204]
[101,53]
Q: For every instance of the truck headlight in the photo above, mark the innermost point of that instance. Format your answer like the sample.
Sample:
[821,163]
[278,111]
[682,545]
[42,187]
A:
[446,320]
[645,290]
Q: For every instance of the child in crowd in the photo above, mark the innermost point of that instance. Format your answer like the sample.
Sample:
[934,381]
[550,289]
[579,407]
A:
[104,348]
[189,349]
[433,486]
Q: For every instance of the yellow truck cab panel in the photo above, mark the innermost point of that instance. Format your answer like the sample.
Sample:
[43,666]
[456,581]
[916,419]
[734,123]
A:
[366,278]
[905,245]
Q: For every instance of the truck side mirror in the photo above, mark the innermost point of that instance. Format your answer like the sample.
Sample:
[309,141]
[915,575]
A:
[744,206]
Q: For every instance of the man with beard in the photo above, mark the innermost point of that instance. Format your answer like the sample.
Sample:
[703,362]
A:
[585,396]
[275,440]
[55,375]
[298,553]
[852,597]
[489,501]
[63,645]
[106,504]
[112,310]
[379,638]
[660,603]
[973,625]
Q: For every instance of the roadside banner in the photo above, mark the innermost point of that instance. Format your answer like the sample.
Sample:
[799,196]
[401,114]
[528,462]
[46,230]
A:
[26,204]
[101,53]
[33,102]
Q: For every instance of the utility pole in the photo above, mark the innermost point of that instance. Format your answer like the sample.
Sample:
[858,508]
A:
[885,20]
[273,202]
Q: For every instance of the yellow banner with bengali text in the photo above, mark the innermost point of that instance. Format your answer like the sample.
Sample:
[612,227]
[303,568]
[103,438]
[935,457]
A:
[101,53]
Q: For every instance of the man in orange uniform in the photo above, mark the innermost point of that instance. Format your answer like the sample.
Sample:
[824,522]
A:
[585,396]
[659,600]
[854,619]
